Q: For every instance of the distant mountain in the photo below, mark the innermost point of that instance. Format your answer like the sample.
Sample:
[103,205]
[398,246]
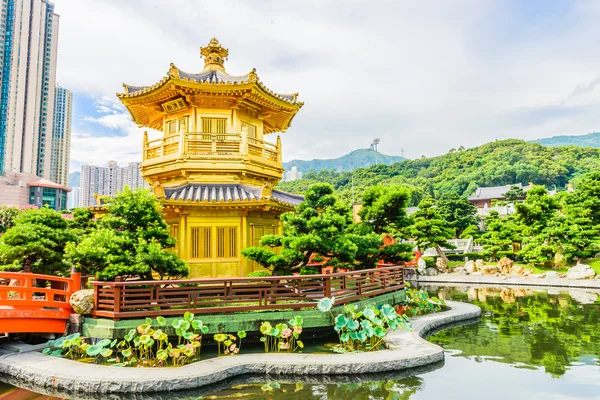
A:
[589,140]
[361,158]
[74,179]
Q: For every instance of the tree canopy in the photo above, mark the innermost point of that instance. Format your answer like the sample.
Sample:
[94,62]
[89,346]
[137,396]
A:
[499,163]
[38,237]
[322,229]
[429,229]
[132,239]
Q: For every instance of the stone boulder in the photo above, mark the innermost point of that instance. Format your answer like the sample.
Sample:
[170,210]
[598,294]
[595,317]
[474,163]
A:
[505,265]
[518,270]
[581,271]
[552,275]
[479,264]
[597,255]
[470,266]
[441,265]
[83,301]
[489,270]
[431,272]
[461,270]
[421,266]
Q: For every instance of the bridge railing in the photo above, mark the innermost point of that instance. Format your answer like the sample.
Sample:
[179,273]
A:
[23,290]
[134,299]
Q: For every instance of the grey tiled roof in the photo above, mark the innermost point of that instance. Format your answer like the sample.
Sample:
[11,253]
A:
[133,89]
[227,193]
[494,192]
[212,193]
[213,77]
[287,198]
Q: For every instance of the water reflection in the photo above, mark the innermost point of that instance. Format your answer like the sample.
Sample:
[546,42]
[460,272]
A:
[527,328]
[397,384]
[525,340]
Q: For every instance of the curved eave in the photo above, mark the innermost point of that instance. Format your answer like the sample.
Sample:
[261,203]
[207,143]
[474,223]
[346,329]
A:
[170,87]
[262,203]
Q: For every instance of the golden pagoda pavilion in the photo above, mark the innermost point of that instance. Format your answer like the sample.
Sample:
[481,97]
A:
[211,166]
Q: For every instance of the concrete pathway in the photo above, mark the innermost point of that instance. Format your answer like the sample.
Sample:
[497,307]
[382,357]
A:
[54,375]
[510,281]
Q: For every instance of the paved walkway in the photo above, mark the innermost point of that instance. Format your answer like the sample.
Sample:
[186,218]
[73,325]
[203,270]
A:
[510,281]
[55,375]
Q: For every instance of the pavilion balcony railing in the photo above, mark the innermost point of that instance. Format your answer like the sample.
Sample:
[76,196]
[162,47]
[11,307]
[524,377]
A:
[137,299]
[201,145]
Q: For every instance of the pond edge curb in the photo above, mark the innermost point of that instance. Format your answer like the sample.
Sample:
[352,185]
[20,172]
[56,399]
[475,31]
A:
[407,349]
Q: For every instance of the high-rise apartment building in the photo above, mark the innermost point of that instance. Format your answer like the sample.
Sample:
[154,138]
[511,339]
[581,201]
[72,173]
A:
[73,198]
[29,37]
[61,136]
[108,181]
[293,174]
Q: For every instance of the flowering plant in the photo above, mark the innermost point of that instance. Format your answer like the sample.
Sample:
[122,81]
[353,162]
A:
[228,344]
[281,337]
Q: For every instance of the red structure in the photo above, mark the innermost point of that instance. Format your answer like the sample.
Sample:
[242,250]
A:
[35,303]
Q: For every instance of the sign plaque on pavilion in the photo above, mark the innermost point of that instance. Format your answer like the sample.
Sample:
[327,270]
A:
[212,167]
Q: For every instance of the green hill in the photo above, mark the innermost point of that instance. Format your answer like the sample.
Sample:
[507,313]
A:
[361,158]
[497,163]
[589,140]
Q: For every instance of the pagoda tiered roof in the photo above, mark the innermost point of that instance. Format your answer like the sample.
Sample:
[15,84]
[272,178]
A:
[207,88]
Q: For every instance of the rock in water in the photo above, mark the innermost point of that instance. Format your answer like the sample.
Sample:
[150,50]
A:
[441,265]
[83,301]
[505,265]
[479,264]
[583,297]
[470,266]
[581,271]
[421,266]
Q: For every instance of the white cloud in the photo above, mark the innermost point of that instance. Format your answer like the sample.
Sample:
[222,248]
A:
[423,76]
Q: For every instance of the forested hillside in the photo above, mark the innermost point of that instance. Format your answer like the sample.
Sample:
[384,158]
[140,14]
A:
[498,163]
[589,140]
[360,158]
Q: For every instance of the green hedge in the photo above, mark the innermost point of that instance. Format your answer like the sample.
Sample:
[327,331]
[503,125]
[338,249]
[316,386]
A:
[461,257]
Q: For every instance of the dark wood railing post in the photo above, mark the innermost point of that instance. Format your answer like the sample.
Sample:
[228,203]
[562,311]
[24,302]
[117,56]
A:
[96,297]
[117,299]
[327,286]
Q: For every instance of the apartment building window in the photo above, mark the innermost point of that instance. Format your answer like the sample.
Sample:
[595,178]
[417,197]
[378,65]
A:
[227,242]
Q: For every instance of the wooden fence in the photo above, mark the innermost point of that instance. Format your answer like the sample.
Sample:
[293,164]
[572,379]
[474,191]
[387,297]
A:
[135,299]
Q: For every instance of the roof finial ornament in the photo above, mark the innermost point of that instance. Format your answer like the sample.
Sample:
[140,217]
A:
[174,71]
[214,55]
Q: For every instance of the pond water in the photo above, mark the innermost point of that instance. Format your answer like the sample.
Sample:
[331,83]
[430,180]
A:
[529,344]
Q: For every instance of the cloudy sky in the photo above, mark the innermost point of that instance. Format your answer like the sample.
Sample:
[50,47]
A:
[424,76]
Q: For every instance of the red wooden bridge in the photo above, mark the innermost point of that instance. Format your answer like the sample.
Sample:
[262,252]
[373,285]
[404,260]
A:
[35,303]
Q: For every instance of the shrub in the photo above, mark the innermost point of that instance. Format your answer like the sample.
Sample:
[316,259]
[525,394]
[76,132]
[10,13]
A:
[258,274]
[429,261]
